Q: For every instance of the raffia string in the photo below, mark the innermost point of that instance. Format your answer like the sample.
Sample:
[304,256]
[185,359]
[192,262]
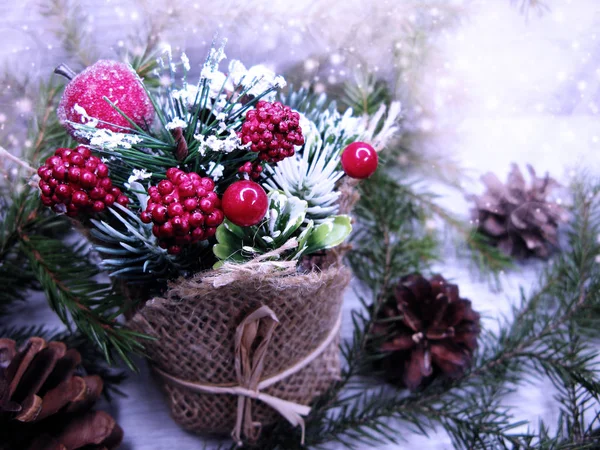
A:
[230,272]
[259,324]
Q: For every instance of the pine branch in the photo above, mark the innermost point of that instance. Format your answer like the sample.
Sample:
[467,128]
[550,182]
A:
[67,277]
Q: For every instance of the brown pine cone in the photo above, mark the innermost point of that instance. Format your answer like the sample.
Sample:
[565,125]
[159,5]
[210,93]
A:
[45,406]
[426,330]
[519,219]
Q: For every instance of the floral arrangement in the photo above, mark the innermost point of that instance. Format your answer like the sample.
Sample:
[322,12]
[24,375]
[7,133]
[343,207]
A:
[195,173]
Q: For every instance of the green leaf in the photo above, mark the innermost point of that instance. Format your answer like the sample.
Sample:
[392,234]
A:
[329,234]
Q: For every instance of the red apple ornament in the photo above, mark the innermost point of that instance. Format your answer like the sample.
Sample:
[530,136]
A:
[245,203]
[359,160]
[84,98]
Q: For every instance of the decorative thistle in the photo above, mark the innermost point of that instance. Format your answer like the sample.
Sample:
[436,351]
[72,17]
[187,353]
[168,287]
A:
[45,404]
[519,219]
[426,330]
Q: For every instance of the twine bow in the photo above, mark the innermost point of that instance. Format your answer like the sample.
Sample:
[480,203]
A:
[249,365]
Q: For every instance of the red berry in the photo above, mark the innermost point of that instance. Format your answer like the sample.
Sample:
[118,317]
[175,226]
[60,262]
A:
[119,84]
[78,182]
[145,217]
[359,160]
[272,129]
[245,203]
[175,209]
[109,199]
[165,187]
[63,191]
[174,250]
[190,205]
[98,206]
[122,200]
[159,215]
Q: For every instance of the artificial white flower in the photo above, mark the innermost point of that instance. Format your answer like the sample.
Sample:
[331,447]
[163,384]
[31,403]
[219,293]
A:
[106,139]
[176,123]
[260,77]
[137,175]
[215,170]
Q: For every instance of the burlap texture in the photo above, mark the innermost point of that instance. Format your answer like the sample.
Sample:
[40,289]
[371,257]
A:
[195,324]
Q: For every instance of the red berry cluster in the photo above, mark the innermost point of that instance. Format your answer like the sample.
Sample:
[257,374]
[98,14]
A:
[74,181]
[272,130]
[253,169]
[184,209]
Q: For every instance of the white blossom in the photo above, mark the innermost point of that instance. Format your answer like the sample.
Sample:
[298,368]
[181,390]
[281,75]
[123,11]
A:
[213,143]
[138,175]
[215,170]
[185,61]
[103,138]
[260,77]
[176,123]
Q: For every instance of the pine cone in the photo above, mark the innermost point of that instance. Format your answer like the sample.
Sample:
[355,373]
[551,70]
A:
[426,330]
[45,406]
[519,219]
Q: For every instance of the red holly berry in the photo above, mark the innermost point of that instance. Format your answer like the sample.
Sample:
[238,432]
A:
[75,181]
[359,160]
[272,130]
[245,203]
[184,209]
[119,84]
[252,169]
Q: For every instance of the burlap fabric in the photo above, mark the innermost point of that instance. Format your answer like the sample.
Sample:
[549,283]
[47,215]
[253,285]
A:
[195,324]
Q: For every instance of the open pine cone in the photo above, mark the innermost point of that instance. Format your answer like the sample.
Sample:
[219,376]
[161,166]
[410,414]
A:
[519,219]
[426,330]
[45,406]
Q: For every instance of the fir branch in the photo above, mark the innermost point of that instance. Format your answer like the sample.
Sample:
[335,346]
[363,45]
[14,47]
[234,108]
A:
[67,277]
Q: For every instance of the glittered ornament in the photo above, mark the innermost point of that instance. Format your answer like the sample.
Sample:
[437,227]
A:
[75,181]
[272,130]
[359,160]
[245,203]
[83,98]
[184,209]
[425,330]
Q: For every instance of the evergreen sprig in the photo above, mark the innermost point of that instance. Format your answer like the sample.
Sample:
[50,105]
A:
[68,278]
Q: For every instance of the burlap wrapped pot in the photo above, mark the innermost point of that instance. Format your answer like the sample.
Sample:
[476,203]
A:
[195,325]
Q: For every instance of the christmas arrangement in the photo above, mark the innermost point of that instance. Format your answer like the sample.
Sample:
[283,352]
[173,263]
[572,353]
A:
[208,217]
[213,199]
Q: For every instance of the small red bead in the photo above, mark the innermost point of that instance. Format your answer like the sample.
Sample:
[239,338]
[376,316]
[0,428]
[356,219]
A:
[145,217]
[122,200]
[245,203]
[165,187]
[359,160]
[98,206]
